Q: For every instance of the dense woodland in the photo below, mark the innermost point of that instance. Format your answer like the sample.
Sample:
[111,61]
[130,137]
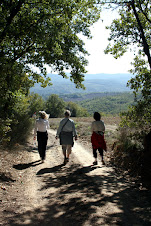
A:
[46,32]
[83,105]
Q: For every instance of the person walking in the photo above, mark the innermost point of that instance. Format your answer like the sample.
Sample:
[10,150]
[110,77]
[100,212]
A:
[97,137]
[41,126]
[66,131]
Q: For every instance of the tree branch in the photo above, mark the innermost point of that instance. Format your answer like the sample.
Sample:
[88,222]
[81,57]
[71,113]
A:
[144,12]
[145,44]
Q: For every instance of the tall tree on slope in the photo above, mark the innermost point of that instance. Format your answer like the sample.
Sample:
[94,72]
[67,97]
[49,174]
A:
[132,32]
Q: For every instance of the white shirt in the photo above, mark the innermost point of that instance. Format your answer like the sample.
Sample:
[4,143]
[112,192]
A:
[41,125]
[98,126]
[69,127]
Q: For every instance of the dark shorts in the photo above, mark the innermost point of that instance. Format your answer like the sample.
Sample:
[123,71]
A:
[66,138]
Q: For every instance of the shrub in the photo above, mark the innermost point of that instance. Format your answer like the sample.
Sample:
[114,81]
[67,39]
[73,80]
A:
[4,130]
[128,151]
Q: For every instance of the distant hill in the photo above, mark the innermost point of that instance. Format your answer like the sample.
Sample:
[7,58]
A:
[109,104]
[78,97]
[94,83]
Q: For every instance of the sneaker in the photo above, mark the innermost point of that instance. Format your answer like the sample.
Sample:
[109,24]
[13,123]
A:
[95,163]
[67,159]
[64,162]
[103,162]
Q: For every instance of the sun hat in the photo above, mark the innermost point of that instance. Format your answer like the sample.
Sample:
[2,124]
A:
[43,115]
[67,113]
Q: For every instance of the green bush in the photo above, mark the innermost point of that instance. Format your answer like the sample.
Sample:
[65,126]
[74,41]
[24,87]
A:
[4,131]
[55,106]
[76,110]
[21,122]
[128,150]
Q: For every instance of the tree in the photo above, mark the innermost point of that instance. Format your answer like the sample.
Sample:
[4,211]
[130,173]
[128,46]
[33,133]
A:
[38,33]
[131,28]
[20,122]
[45,32]
[36,103]
[55,106]
[76,110]
[131,31]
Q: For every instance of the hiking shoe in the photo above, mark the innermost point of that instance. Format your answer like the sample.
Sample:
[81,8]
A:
[103,162]
[95,163]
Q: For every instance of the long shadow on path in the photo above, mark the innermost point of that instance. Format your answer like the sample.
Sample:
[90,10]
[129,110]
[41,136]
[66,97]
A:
[23,166]
[80,199]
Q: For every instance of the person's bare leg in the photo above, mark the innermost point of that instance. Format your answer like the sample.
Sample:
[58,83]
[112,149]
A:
[64,147]
[95,156]
[69,149]
[101,153]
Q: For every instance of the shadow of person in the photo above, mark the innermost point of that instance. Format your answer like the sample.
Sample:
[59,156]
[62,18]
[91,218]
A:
[84,169]
[27,165]
[49,170]
[87,169]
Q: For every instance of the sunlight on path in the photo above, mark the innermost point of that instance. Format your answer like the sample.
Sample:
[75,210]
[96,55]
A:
[96,188]
[85,157]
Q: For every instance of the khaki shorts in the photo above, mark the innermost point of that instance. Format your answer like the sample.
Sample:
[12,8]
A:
[67,148]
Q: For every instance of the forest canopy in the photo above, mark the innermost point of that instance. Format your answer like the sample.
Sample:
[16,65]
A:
[46,32]
[131,32]
[38,33]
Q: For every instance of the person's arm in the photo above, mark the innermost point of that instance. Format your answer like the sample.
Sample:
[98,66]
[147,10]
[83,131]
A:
[48,126]
[92,127]
[74,131]
[59,130]
[103,127]
[35,131]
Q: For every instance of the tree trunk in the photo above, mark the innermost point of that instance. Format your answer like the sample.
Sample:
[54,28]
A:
[145,44]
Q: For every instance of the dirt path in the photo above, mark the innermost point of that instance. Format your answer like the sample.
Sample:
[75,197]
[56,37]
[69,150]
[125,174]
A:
[78,194]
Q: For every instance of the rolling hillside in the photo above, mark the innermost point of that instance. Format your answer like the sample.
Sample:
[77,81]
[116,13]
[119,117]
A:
[111,104]
[94,83]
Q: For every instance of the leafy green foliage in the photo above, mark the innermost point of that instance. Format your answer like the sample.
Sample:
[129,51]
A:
[76,110]
[55,106]
[45,32]
[36,103]
[39,33]
[4,130]
[132,27]
[127,151]
[131,31]
[109,104]
[20,120]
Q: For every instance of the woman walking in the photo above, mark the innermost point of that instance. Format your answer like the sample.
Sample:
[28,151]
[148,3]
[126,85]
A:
[41,126]
[66,131]
[97,138]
